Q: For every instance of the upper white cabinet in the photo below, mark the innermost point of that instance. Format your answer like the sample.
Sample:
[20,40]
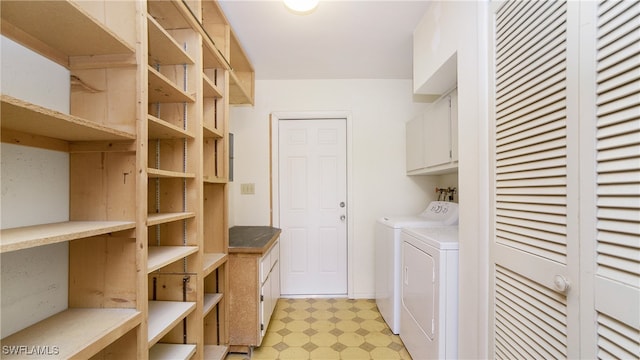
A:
[432,138]
[435,48]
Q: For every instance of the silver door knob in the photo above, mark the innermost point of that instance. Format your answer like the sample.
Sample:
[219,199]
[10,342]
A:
[343,217]
[560,283]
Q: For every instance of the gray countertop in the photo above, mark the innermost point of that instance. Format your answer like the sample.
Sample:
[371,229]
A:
[252,239]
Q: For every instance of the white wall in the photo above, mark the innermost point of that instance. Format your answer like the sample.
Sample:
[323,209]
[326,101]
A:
[379,110]
[464,30]
[35,190]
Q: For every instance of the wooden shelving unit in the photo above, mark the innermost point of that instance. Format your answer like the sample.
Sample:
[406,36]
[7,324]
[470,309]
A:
[148,143]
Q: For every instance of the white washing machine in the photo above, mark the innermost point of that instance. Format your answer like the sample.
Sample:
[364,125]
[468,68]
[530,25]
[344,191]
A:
[388,254]
[429,312]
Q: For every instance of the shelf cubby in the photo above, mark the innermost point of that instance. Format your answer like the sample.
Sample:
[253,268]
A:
[212,261]
[163,48]
[22,116]
[60,30]
[210,302]
[160,129]
[172,351]
[164,315]
[76,333]
[160,256]
[162,90]
[39,235]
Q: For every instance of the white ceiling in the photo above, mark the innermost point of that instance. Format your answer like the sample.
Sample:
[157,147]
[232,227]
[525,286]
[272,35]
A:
[341,39]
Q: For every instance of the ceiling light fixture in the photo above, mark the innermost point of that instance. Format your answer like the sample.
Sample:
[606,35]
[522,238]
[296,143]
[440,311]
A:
[301,7]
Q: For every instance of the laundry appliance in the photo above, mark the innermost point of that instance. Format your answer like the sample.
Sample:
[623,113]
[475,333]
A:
[388,254]
[429,311]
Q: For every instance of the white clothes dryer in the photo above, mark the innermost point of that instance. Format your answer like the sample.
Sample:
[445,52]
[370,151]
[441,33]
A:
[429,314]
[388,254]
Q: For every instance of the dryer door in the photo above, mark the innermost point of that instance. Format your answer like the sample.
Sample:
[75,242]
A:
[419,287]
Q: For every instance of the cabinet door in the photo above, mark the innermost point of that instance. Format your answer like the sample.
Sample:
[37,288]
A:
[454,125]
[437,133]
[415,149]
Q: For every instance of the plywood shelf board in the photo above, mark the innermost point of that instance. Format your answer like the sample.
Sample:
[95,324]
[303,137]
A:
[39,235]
[170,14]
[33,119]
[210,89]
[210,301]
[215,352]
[77,333]
[161,218]
[171,351]
[238,93]
[159,173]
[212,57]
[163,49]
[160,129]
[164,315]
[214,180]
[212,133]
[162,90]
[160,256]
[63,26]
[212,261]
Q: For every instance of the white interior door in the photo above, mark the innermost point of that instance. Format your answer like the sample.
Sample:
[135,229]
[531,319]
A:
[312,164]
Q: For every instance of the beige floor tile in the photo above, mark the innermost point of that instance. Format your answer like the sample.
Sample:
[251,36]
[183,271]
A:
[327,329]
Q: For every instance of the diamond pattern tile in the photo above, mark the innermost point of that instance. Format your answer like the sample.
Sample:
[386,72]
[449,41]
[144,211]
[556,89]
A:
[327,329]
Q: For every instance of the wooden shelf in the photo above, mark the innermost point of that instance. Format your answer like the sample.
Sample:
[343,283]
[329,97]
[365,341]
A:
[212,261]
[171,351]
[160,256]
[160,129]
[38,235]
[211,56]
[171,14]
[242,79]
[212,133]
[76,333]
[164,315]
[59,30]
[158,173]
[210,301]
[33,119]
[241,88]
[162,90]
[214,180]
[210,89]
[163,49]
[215,352]
[162,218]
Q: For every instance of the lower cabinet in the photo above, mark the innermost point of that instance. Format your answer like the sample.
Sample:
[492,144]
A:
[254,290]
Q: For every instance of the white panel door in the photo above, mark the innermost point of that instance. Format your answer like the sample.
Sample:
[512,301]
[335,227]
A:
[313,194]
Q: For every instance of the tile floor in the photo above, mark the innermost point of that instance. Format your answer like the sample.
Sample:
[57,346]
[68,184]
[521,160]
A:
[327,329]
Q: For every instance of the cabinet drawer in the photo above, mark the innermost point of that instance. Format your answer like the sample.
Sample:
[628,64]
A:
[265,266]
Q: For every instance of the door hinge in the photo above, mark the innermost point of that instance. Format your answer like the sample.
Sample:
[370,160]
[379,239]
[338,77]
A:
[261,297]
[261,326]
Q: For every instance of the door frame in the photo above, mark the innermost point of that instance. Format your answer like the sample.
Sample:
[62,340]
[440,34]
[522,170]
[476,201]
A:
[274,198]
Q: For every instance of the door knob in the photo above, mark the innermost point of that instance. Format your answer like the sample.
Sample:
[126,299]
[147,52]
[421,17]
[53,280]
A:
[560,283]
[342,204]
[343,217]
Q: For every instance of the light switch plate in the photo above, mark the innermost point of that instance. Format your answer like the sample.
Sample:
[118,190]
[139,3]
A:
[248,189]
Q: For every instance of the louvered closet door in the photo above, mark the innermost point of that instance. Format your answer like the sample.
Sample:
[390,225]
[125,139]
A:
[618,180]
[535,244]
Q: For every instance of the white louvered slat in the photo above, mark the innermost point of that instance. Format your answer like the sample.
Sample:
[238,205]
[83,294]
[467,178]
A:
[532,319]
[530,176]
[616,339]
[618,179]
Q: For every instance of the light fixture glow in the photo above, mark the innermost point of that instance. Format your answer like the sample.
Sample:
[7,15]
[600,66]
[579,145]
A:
[301,6]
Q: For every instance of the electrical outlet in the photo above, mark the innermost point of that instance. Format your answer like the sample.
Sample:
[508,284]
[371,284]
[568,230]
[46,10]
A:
[248,189]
